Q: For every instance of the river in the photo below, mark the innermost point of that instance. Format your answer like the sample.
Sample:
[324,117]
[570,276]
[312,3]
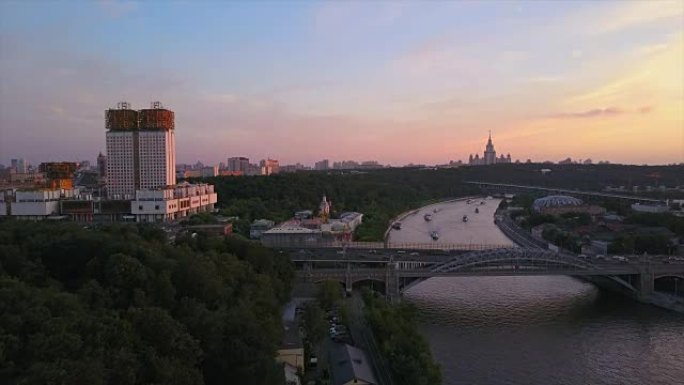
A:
[547,331]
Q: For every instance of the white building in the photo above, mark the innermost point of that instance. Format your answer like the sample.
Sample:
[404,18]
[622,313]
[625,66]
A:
[141,149]
[269,166]
[34,204]
[653,209]
[172,202]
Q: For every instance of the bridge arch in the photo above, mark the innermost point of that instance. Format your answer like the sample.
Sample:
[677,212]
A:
[680,276]
[669,283]
[515,259]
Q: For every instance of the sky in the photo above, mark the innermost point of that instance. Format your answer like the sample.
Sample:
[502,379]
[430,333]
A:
[394,81]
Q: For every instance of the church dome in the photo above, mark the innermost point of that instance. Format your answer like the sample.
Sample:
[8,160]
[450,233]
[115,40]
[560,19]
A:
[556,201]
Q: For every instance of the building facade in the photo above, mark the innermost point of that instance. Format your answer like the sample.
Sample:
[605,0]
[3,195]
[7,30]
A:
[34,204]
[269,166]
[20,165]
[322,165]
[140,149]
[172,202]
[489,156]
[238,163]
[101,165]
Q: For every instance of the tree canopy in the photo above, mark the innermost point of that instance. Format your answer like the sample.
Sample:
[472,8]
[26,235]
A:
[383,194]
[119,305]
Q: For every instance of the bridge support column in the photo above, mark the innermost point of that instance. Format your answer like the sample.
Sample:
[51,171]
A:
[348,279]
[392,283]
[646,284]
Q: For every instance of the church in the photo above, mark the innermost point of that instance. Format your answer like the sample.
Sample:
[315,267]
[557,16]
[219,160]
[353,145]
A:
[489,156]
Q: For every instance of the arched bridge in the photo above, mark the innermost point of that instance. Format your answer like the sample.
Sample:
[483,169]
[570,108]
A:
[635,274]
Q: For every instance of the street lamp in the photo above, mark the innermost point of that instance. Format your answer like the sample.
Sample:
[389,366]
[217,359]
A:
[676,279]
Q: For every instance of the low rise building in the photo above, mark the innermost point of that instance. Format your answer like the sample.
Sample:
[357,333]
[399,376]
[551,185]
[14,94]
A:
[291,351]
[653,209]
[350,366]
[173,202]
[259,226]
[214,228]
[561,204]
[596,247]
[150,205]
[34,204]
[291,233]
[304,228]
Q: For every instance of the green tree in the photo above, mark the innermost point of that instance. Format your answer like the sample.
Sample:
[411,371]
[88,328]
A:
[329,294]
[315,322]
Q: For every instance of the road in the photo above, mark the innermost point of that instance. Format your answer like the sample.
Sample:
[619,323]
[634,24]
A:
[363,338]
[448,222]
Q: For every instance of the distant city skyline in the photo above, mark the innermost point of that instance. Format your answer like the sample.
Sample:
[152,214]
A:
[396,82]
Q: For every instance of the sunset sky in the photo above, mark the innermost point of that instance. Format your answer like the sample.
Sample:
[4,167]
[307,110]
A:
[393,81]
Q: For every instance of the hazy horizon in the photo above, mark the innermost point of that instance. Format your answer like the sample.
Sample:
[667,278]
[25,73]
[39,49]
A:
[397,82]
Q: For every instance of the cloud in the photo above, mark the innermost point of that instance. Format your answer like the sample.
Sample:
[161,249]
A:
[656,75]
[600,112]
[597,112]
[543,79]
[629,14]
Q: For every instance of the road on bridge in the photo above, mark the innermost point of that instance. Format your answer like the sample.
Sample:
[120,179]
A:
[447,221]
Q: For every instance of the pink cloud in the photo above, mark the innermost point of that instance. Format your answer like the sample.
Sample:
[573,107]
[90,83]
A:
[598,112]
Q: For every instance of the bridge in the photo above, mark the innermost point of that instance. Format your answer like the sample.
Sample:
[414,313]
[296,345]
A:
[512,188]
[636,275]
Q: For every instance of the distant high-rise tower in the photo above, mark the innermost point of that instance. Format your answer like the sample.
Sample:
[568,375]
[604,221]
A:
[141,149]
[489,156]
[490,153]
[20,165]
[322,165]
[101,165]
[238,163]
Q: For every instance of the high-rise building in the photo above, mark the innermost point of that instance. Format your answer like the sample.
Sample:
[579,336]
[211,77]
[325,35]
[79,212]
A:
[269,166]
[238,163]
[489,156]
[490,153]
[141,151]
[322,165]
[101,165]
[20,165]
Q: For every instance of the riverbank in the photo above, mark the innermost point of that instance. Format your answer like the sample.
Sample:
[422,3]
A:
[407,352]
[657,299]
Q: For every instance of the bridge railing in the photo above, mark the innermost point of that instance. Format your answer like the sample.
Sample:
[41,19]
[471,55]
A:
[380,245]
[447,246]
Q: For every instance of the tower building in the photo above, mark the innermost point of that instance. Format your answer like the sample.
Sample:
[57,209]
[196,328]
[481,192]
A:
[489,156]
[141,150]
[490,153]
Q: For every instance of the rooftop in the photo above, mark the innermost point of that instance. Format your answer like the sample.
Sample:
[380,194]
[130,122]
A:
[348,363]
[291,337]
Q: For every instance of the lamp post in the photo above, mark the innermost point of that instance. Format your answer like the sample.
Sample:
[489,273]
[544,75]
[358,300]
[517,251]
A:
[676,279]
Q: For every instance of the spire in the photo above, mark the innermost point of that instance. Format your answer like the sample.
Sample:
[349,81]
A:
[490,138]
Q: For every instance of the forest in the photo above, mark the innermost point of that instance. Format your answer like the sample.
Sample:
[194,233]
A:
[118,304]
[382,194]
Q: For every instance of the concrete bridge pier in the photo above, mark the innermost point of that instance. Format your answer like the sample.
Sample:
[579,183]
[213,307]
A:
[392,283]
[646,284]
